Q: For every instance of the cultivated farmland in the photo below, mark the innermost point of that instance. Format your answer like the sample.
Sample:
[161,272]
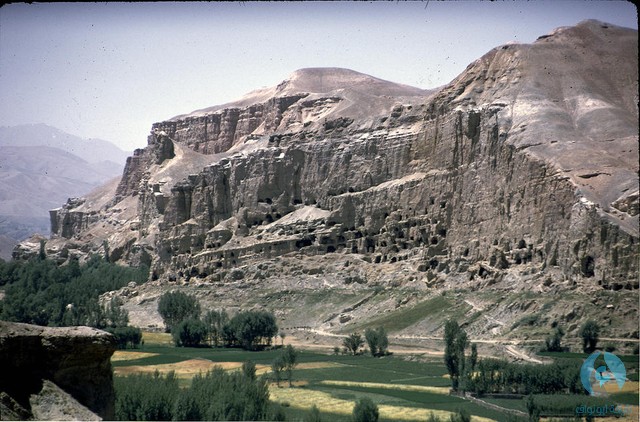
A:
[404,388]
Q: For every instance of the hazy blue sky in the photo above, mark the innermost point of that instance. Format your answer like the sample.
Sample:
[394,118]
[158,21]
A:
[111,70]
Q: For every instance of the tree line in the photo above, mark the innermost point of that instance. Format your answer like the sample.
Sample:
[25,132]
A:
[487,376]
[181,314]
[41,292]
[216,395]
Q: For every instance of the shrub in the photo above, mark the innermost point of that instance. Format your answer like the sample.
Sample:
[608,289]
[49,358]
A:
[433,418]
[529,320]
[277,412]
[365,410]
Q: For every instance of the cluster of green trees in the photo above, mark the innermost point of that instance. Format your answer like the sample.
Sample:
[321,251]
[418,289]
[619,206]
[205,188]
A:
[365,410]
[376,339]
[499,376]
[127,336]
[455,343]
[589,332]
[41,292]
[287,360]
[250,330]
[214,396]
[176,307]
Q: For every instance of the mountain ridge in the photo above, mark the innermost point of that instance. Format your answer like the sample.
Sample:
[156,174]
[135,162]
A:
[312,80]
[39,134]
[515,185]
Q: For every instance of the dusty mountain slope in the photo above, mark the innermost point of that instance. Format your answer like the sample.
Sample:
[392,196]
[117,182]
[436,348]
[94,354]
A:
[36,179]
[571,100]
[509,195]
[322,80]
[307,101]
[40,167]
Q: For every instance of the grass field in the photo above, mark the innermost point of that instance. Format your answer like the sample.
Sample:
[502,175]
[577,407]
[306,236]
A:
[403,390]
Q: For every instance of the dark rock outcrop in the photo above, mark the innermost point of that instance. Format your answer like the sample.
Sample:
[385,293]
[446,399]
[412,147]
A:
[42,366]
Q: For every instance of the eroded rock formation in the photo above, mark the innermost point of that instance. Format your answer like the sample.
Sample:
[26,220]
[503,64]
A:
[55,373]
[524,165]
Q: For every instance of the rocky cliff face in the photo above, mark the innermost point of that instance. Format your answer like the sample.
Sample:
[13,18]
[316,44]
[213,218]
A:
[57,373]
[524,169]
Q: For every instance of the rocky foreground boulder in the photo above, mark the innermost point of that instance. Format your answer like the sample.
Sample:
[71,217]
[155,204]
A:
[519,175]
[55,373]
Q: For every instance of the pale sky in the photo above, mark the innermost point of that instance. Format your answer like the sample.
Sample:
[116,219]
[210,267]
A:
[110,70]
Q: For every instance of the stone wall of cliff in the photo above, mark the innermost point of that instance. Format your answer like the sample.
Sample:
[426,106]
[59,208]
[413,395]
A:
[522,171]
[454,189]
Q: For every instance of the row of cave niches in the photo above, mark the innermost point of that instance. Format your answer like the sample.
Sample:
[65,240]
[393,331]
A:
[396,242]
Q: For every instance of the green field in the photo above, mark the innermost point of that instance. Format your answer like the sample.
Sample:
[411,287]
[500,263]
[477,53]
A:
[313,372]
[403,390]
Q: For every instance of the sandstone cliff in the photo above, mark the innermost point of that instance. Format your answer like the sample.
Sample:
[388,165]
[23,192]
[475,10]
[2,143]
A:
[519,175]
[55,373]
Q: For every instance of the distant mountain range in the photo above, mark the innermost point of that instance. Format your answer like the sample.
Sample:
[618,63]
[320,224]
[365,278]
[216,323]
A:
[90,150]
[40,167]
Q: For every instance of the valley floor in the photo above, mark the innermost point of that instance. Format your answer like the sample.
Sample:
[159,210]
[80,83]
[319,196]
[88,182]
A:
[408,385]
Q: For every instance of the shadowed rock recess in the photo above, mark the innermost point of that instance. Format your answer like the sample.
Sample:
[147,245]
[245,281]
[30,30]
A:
[521,174]
[55,373]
